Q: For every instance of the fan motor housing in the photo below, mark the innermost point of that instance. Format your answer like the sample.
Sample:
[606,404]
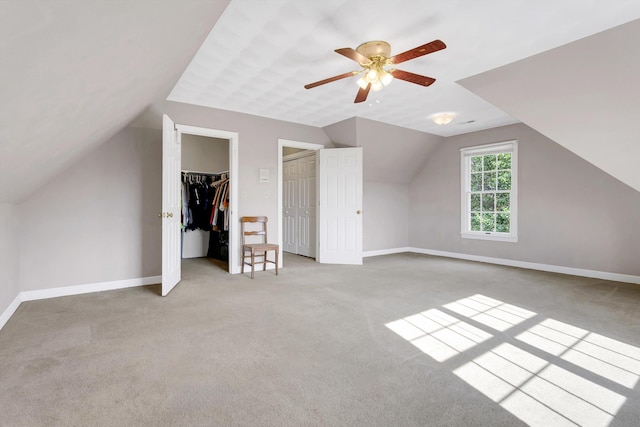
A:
[375,48]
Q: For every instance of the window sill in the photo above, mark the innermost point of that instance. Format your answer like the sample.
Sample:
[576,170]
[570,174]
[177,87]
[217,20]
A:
[490,236]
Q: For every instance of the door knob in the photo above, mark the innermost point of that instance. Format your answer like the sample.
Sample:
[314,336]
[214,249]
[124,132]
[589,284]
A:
[358,212]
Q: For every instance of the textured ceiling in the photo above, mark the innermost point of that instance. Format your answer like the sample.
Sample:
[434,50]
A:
[260,54]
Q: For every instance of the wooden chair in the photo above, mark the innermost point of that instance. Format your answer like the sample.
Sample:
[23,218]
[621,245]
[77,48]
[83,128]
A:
[260,249]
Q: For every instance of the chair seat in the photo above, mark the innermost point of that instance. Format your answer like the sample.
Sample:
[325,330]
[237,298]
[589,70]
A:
[260,247]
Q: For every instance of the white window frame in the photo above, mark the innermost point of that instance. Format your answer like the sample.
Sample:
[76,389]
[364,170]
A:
[465,160]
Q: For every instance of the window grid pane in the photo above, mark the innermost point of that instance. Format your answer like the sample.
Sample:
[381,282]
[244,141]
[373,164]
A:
[489,196]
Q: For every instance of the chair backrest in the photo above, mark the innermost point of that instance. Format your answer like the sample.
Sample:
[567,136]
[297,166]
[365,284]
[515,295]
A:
[249,230]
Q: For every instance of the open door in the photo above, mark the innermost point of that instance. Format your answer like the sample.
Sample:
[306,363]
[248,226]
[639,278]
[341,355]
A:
[340,207]
[171,201]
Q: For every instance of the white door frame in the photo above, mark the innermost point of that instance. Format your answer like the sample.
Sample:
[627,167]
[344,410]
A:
[292,144]
[234,231]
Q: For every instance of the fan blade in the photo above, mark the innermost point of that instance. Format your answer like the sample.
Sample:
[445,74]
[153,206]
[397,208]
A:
[354,55]
[331,79]
[425,49]
[362,94]
[413,78]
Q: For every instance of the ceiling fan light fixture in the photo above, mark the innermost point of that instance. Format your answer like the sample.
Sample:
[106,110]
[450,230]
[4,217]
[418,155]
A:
[373,57]
[442,118]
[386,78]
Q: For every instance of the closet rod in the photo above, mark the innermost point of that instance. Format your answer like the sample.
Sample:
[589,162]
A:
[204,173]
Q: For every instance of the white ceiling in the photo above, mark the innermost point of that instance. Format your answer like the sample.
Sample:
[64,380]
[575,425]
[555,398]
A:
[259,55]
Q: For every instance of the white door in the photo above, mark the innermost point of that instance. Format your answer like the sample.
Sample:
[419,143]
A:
[306,209]
[171,201]
[340,208]
[289,182]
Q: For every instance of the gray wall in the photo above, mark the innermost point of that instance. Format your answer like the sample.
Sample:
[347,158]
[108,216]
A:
[204,154]
[393,154]
[385,220]
[343,133]
[9,286]
[98,220]
[569,213]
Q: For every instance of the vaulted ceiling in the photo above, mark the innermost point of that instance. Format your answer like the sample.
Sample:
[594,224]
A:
[75,72]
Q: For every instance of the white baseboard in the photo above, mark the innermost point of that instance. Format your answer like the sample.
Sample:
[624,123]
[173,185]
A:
[594,274]
[85,289]
[73,290]
[386,252]
[616,277]
[6,315]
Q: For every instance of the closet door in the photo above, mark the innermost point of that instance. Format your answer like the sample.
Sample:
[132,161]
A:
[289,211]
[306,206]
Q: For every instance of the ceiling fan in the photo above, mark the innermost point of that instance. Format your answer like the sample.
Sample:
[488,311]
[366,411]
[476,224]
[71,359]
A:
[373,57]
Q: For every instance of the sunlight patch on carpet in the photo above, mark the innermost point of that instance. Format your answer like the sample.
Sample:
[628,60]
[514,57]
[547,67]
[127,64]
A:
[491,312]
[438,334]
[572,386]
[611,359]
[537,391]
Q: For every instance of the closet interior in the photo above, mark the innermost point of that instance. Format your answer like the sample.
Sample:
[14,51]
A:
[205,197]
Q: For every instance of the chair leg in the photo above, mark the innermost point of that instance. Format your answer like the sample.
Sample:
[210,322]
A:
[264,258]
[244,253]
[277,254]
[253,262]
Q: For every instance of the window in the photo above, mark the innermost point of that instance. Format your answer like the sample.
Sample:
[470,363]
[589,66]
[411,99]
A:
[489,191]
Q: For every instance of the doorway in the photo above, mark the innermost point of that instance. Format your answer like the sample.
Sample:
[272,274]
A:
[290,219]
[205,198]
[171,198]
[299,202]
[232,138]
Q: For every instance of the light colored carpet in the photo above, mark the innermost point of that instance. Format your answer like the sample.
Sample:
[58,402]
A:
[395,342]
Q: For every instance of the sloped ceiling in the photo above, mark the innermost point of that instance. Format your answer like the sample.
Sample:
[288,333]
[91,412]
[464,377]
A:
[75,72]
[585,96]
